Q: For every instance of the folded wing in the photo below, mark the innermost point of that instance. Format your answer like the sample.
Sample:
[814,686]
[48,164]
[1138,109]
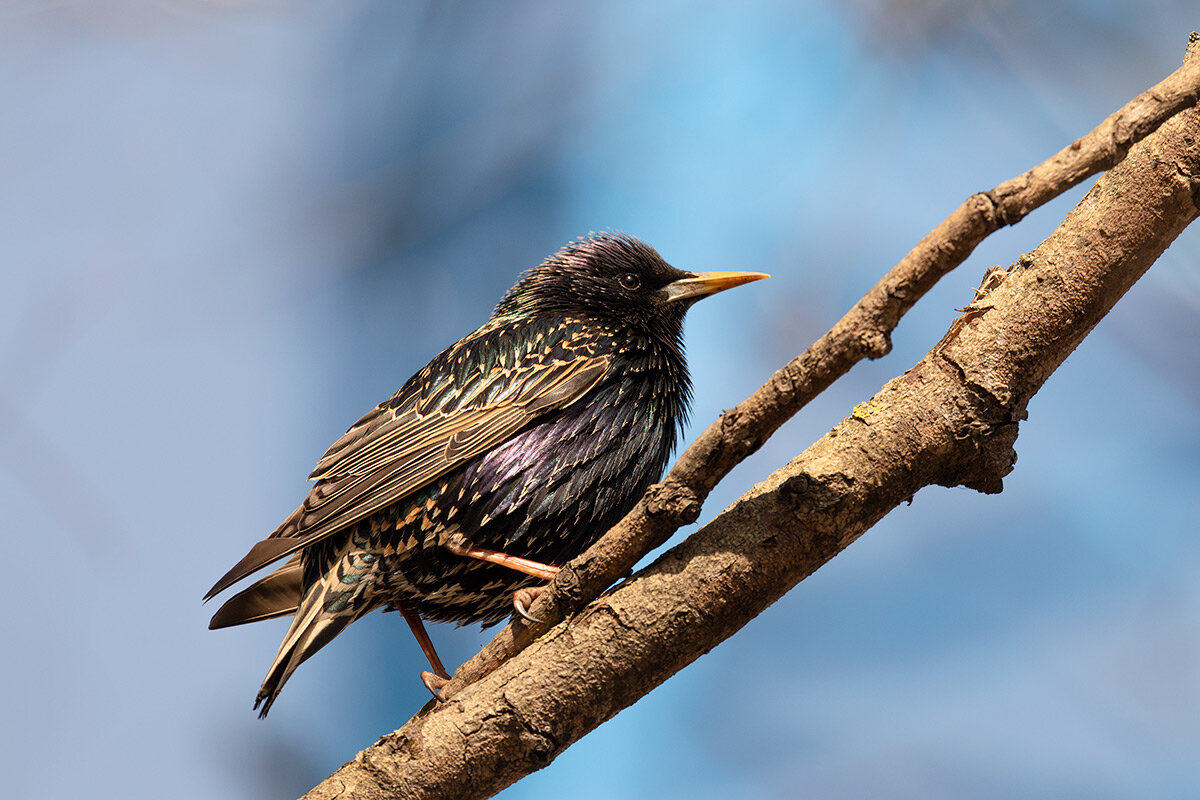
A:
[404,444]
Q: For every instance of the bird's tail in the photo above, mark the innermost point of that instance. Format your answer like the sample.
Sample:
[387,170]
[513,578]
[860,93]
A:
[276,595]
[313,627]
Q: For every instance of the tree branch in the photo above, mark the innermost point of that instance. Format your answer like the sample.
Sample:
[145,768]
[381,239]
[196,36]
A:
[950,420]
[864,332]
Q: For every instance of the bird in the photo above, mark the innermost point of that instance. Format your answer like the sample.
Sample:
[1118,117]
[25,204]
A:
[512,451]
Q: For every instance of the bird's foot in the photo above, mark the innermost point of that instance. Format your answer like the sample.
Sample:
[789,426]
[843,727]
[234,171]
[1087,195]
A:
[523,599]
[435,683]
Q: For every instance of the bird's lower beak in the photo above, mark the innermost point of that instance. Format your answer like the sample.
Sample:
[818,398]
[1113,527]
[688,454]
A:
[702,284]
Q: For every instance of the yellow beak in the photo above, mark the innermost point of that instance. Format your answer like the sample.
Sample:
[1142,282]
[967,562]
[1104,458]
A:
[702,284]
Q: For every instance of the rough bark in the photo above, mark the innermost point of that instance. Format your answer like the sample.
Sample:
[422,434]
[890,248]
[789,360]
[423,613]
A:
[950,420]
[864,332]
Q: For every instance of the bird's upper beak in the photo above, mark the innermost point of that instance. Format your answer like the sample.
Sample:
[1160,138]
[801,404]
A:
[702,284]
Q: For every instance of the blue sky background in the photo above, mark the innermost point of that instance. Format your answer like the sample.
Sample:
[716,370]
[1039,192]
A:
[230,228]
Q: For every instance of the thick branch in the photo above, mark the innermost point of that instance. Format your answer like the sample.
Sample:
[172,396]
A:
[951,420]
[864,332]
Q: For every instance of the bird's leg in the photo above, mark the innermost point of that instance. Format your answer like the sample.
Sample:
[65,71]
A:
[522,598]
[459,546]
[434,681]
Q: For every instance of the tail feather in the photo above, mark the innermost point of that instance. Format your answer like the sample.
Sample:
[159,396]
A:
[263,553]
[313,628]
[276,595]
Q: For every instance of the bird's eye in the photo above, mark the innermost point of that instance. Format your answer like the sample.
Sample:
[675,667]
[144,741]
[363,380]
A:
[630,282]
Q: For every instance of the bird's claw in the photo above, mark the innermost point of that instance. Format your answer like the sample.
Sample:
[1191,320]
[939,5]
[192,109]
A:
[523,599]
[434,683]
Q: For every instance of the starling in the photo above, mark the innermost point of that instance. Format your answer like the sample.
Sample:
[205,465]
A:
[508,454]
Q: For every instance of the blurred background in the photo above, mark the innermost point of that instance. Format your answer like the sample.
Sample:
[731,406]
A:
[230,228]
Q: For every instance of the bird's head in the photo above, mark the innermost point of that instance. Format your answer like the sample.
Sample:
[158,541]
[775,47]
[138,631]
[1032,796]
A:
[616,279]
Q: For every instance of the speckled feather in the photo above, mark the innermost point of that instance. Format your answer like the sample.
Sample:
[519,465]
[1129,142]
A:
[546,493]
[531,436]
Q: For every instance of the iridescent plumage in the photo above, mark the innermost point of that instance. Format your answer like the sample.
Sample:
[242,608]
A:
[529,437]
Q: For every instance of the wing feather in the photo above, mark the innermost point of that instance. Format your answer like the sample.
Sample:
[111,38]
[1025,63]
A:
[397,448]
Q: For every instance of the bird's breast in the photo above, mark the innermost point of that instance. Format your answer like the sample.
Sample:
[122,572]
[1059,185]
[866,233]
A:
[550,490]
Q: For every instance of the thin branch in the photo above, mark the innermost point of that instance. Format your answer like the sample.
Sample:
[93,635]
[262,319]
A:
[951,420]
